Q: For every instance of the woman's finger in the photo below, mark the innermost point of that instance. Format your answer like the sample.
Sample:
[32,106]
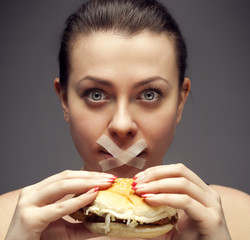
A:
[194,209]
[206,218]
[71,174]
[52,212]
[57,190]
[178,185]
[169,171]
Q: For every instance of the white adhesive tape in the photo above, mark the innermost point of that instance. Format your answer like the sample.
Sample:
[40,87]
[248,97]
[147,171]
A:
[121,157]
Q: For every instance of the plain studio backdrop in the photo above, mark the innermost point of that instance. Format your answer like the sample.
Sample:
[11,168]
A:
[213,138]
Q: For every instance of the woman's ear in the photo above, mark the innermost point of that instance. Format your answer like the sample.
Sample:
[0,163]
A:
[61,93]
[183,94]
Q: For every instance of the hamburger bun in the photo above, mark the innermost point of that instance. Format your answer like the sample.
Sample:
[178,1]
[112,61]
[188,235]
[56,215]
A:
[119,212]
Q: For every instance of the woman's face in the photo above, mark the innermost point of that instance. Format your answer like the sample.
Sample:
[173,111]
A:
[126,88]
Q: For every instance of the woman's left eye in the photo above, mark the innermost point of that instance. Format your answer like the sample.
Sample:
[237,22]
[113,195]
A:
[96,95]
[149,95]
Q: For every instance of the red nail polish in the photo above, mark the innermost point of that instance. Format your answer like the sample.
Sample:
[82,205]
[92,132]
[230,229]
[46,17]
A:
[134,188]
[134,178]
[133,183]
[111,180]
[96,189]
[148,195]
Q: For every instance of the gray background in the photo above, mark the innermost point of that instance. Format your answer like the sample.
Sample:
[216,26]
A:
[213,138]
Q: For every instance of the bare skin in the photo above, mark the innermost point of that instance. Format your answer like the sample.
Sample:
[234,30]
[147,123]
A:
[120,90]
[235,206]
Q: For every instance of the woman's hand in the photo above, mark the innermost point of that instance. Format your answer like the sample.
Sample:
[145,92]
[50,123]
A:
[39,209]
[175,185]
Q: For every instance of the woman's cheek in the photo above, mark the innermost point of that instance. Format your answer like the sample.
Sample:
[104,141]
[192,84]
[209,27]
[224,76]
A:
[160,133]
[85,130]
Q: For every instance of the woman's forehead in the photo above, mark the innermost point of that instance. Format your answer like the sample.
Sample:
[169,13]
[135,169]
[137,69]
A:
[101,40]
[106,50]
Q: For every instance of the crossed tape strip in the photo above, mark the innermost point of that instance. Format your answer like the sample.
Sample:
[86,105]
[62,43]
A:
[121,157]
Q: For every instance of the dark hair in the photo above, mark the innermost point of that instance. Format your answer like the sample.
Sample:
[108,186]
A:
[127,17]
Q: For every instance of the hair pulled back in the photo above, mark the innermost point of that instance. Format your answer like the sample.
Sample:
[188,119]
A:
[127,17]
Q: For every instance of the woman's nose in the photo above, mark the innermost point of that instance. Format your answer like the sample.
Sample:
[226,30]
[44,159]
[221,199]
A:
[122,123]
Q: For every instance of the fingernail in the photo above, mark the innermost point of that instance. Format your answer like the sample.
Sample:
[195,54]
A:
[134,177]
[111,180]
[147,195]
[133,183]
[93,190]
[136,187]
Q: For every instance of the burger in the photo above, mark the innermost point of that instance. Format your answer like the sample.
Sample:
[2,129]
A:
[119,212]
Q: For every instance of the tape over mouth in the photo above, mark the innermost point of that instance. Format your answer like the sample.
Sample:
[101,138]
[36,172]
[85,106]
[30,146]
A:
[122,157]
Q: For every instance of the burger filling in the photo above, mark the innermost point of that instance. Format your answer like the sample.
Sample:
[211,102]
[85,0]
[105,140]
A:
[108,218]
[92,217]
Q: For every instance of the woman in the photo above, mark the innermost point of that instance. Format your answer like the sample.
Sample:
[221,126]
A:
[122,75]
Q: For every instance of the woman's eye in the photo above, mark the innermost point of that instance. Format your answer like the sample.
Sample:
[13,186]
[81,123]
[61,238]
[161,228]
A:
[149,95]
[96,95]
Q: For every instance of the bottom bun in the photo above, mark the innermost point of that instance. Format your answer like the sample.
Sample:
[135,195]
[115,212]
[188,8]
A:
[123,230]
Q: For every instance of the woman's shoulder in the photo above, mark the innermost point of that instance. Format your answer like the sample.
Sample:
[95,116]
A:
[8,203]
[232,196]
[236,207]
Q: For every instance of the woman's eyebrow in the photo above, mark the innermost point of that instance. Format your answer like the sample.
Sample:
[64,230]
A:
[95,79]
[107,83]
[151,79]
